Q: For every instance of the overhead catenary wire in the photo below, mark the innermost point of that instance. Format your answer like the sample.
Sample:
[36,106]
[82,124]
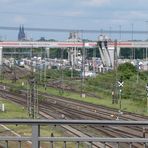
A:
[10,28]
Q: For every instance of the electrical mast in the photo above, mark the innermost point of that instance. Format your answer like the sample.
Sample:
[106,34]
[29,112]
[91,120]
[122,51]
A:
[32,96]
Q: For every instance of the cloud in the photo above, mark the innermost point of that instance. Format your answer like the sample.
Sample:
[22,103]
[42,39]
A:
[6,1]
[95,2]
[72,13]
[130,15]
[19,19]
[138,14]
[9,1]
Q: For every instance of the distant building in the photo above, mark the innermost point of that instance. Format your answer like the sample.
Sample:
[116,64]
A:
[74,36]
[21,34]
[42,39]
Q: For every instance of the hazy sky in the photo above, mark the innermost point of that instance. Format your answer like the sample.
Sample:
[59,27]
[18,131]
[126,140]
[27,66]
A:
[73,14]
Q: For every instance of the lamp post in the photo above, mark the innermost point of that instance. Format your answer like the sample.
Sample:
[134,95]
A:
[120,31]
[132,31]
[137,65]
[61,91]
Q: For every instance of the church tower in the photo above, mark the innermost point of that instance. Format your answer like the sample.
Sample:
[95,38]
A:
[21,34]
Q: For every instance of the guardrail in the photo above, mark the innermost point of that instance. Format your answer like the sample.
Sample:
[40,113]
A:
[35,138]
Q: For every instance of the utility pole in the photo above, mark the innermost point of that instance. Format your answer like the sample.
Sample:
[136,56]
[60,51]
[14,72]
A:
[32,96]
[83,71]
[62,76]
[45,71]
[72,61]
[120,85]
[137,71]
[1,71]
[146,60]
[147,97]
[132,32]
[120,31]
[115,91]
[94,60]
[133,56]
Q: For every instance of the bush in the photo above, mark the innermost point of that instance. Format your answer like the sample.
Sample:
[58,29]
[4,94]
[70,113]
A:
[127,70]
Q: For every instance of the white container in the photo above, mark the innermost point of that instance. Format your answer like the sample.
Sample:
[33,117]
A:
[83,95]
[2,107]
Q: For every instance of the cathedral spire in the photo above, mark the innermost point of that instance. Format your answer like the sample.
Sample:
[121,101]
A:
[21,34]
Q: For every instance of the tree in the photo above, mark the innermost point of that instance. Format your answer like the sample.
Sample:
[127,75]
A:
[127,70]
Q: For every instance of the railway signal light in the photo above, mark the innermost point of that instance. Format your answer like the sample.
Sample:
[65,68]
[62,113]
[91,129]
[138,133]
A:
[120,85]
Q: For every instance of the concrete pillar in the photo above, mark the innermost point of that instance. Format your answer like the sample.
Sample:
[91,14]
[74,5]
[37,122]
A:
[31,52]
[71,56]
[48,52]
[75,55]
[68,50]
[118,51]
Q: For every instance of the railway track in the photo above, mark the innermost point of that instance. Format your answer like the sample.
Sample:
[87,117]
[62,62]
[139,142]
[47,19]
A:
[69,87]
[15,72]
[59,107]
[46,113]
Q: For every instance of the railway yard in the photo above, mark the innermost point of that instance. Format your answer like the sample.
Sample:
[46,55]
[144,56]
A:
[73,74]
[60,107]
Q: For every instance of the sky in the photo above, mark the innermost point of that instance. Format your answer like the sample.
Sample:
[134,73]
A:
[74,14]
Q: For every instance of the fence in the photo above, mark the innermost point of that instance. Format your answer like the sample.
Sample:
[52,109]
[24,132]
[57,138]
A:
[35,137]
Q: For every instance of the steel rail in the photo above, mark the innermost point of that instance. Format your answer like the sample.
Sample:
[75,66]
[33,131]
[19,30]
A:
[74,122]
[75,139]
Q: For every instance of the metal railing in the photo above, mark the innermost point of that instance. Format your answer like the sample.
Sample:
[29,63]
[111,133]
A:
[35,137]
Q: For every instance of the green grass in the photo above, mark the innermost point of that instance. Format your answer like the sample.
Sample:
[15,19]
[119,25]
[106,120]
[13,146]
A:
[102,87]
[12,110]
[104,99]
[15,111]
